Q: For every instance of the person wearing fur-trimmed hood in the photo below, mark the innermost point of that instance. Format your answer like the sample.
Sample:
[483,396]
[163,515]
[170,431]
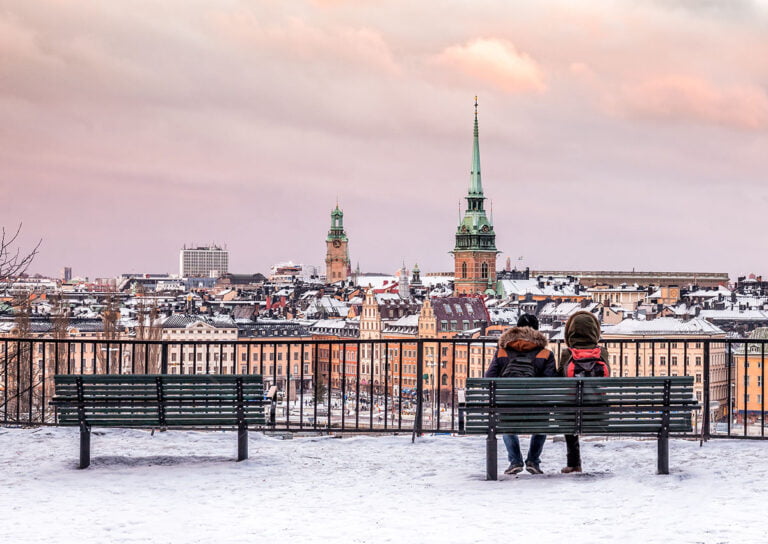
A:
[523,352]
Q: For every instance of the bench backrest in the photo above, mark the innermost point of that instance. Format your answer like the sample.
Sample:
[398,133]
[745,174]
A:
[579,405]
[152,400]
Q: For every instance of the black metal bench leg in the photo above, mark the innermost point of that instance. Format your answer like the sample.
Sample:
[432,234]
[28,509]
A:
[491,464]
[85,448]
[242,442]
[663,452]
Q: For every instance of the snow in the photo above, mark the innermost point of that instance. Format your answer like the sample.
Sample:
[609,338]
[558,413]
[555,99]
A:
[185,487]
[661,326]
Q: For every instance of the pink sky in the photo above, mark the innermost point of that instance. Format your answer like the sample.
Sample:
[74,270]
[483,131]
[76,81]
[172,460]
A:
[614,135]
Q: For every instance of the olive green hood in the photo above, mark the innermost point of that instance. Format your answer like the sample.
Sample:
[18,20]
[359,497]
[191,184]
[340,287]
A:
[582,330]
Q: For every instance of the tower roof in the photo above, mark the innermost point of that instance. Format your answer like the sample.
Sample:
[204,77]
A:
[336,232]
[475,231]
[475,180]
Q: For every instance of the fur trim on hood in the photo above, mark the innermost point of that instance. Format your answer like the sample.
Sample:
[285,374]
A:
[522,339]
[582,330]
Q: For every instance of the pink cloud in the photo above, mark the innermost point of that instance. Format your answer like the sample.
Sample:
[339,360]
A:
[495,61]
[695,99]
[296,39]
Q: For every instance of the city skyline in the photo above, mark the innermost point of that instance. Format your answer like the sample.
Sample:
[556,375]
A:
[635,140]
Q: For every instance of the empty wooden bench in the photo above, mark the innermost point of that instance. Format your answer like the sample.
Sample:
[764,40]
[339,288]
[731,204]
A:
[585,406]
[161,401]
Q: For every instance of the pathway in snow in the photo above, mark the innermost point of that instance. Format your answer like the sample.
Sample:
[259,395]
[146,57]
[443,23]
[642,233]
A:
[184,487]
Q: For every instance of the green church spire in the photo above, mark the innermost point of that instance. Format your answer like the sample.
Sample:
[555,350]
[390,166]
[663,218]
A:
[475,231]
[475,181]
[336,232]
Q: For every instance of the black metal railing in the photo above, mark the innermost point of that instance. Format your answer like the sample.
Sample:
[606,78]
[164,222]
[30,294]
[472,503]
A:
[398,385]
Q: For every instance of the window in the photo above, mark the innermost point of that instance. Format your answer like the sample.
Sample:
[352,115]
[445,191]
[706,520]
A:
[698,361]
[663,359]
[463,270]
[484,271]
[674,360]
[698,378]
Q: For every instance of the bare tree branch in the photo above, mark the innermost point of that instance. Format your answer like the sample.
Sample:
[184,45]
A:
[12,261]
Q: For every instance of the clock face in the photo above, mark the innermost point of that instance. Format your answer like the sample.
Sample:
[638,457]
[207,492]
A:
[336,243]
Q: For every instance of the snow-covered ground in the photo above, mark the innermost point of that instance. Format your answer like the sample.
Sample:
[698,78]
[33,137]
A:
[183,487]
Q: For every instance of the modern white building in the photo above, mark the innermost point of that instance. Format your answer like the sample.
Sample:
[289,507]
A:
[211,261]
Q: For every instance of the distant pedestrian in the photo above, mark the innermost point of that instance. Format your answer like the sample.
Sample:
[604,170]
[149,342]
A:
[523,353]
[582,358]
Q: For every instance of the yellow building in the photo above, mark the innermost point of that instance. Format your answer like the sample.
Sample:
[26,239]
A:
[670,347]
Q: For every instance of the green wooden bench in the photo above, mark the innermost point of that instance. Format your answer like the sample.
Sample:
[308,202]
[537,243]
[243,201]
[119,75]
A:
[160,401]
[583,406]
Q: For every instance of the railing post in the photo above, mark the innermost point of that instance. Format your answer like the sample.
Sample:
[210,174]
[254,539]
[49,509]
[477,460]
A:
[417,422]
[705,430]
[164,359]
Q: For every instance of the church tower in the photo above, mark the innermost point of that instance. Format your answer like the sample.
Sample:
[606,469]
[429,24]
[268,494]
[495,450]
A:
[337,266]
[474,255]
[404,290]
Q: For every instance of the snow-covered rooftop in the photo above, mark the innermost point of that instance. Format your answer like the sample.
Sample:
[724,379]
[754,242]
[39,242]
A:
[376,282]
[660,326]
[185,487]
[734,315]
[532,287]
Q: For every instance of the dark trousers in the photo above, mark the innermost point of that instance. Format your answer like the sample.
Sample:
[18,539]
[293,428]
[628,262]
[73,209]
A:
[574,452]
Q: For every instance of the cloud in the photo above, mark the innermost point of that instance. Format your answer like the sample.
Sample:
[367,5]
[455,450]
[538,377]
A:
[296,39]
[495,61]
[688,98]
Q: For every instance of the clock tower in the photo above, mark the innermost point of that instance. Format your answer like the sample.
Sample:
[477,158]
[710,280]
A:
[475,252]
[337,266]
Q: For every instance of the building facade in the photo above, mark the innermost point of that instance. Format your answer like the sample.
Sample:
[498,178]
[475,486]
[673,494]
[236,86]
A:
[474,254]
[211,261]
[591,278]
[669,347]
